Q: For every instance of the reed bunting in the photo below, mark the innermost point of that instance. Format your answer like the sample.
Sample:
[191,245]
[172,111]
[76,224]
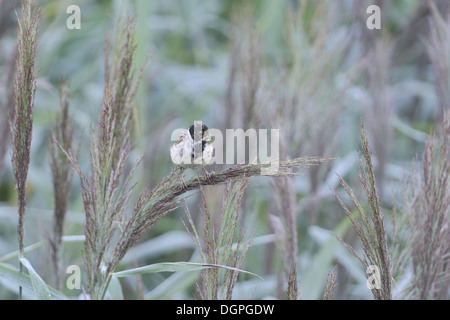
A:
[193,148]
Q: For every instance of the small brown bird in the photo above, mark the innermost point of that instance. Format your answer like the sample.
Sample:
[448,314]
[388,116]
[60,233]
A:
[193,148]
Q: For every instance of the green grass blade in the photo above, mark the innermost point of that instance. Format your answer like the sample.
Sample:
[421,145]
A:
[8,273]
[316,276]
[39,286]
[114,291]
[175,267]
[23,280]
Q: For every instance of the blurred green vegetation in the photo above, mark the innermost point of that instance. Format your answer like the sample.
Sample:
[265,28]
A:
[189,45]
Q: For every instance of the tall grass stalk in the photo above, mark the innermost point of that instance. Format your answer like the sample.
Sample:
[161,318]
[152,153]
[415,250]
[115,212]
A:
[216,246]
[122,80]
[61,131]
[369,226]
[21,125]
[107,190]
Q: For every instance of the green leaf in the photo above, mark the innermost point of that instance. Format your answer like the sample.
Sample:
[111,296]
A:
[8,273]
[316,276]
[39,286]
[175,267]
[114,291]
[23,280]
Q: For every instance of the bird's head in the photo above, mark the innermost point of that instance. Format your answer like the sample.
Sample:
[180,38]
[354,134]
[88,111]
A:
[204,131]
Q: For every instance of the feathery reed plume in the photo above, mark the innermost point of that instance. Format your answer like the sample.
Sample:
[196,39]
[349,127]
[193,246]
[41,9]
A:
[285,168]
[218,241]
[104,197]
[164,198]
[151,206]
[370,226]
[21,124]
[330,285]
[24,88]
[424,221]
[107,191]
[61,131]
[120,77]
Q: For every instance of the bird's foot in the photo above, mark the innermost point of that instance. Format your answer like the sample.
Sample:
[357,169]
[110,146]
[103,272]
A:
[207,174]
[183,184]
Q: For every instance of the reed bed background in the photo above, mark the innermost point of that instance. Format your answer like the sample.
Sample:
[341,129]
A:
[87,185]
